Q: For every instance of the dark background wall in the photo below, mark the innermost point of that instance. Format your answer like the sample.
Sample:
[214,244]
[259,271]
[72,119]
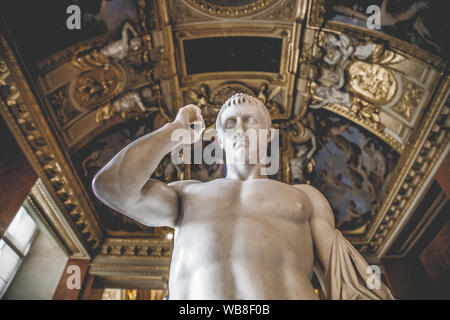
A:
[424,273]
[16,176]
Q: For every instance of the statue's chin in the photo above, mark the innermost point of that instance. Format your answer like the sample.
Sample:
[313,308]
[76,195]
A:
[241,156]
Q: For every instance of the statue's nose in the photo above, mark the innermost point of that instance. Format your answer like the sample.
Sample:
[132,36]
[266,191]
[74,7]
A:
[240,127]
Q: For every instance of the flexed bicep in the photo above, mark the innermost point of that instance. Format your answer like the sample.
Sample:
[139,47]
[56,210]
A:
[157,205]
[154,205]
[123,182]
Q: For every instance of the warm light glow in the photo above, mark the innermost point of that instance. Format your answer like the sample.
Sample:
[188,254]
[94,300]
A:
[170,236]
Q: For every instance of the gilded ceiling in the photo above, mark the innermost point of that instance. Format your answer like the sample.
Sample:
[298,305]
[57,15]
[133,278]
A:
[362,114]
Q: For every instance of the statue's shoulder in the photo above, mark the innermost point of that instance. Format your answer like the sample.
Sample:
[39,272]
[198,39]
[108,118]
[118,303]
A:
[321,207]
[308,189]
[180,185]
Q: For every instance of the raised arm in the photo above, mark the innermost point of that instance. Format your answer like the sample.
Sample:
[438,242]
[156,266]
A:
[124,183]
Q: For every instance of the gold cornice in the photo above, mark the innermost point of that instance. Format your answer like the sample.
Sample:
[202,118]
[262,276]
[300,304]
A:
[125,259]
[231,11]
[136,248]
[147,272]
[430,142]
[33,133]
[49,214]
[66,55]
[224,29]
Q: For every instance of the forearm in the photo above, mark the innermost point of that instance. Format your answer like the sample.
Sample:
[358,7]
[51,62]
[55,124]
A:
[128,171]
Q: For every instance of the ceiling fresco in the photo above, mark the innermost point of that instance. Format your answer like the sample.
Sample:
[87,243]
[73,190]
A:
[351,168]
[361,114]
[419,22]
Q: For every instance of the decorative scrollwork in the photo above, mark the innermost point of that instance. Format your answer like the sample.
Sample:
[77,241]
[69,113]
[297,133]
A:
[212,8]
[96,87]
[355,75]
[372,81]
[268,98]
[41,149]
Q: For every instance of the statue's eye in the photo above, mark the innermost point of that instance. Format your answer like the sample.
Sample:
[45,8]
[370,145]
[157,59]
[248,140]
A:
[250,120]
[230,123]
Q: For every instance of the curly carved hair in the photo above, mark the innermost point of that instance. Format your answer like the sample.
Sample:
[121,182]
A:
[242,98]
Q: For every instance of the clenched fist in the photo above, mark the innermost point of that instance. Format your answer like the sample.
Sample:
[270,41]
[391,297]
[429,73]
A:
[190,119]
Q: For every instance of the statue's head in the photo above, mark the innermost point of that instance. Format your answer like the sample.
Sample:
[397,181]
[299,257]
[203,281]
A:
[241,123]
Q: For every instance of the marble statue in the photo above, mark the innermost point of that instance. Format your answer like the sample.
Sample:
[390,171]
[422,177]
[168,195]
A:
[244,236]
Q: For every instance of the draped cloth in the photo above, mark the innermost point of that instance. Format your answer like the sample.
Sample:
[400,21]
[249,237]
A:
[348,275]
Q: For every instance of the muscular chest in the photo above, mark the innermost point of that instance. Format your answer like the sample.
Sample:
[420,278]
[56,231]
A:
[264,199]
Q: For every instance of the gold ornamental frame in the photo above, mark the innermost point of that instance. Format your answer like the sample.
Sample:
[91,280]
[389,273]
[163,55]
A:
[35,136]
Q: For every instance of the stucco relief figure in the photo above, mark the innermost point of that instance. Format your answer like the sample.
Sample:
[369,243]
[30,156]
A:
[268,98]
[338,53]
[113,51]
[119,49]
[202,99]
[127,102]
[244,236]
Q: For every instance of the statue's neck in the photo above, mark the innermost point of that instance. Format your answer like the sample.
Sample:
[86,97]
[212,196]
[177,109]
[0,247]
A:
[245,172]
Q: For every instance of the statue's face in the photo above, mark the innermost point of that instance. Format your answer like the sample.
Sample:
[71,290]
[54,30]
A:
[243,126]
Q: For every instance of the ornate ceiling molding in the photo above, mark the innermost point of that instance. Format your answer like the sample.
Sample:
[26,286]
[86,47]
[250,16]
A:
[181,13]
[131,260]
[415,112]
[213,8]
[210,98]
[42,205]
[288,34]
[257,82]
[131,275]
[429,144]
[414,225]
[316,20]
[24,117]
[136,248]
[284,11]
[61,57]
[365,82]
